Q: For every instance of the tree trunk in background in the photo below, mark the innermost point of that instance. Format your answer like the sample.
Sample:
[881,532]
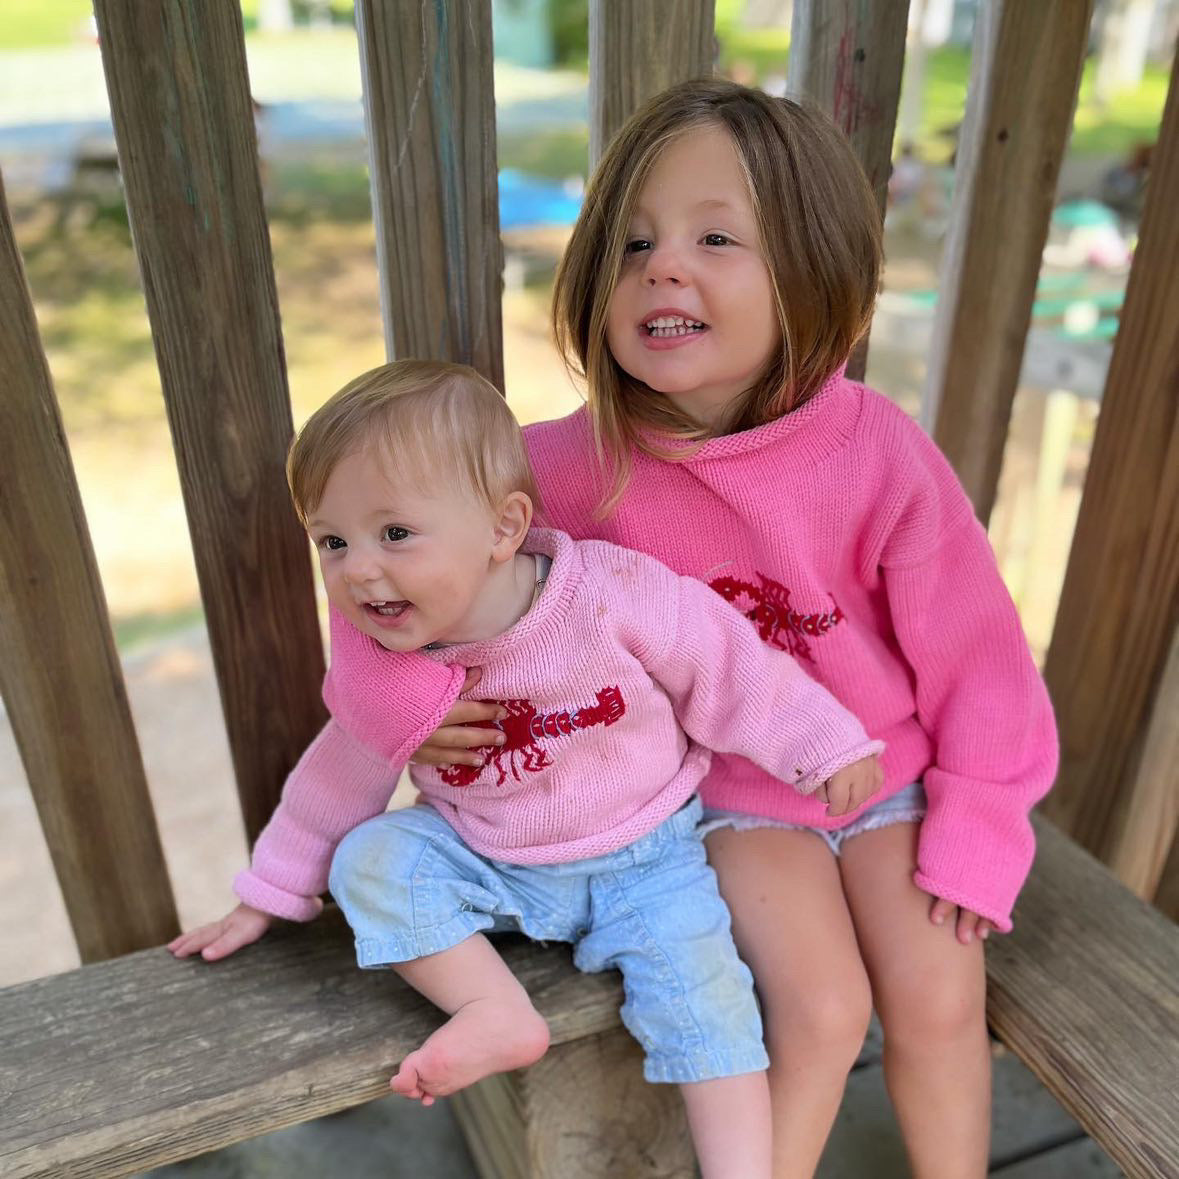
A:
[1122,48]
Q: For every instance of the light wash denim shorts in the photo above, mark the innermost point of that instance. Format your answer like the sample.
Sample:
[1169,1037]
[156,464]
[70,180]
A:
[906,806]
[410,887]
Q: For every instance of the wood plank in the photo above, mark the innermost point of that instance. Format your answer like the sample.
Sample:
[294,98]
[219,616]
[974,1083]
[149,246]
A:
[1081,1159]
[1025,71]
[59,671]
[183,122]
[583,1109]
[1119,606]
[1086,993]
[638,48]
[430,113]
[144,1060]
[848,58]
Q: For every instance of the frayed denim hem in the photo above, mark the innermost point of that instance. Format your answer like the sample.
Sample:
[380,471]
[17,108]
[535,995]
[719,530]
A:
[705,1066]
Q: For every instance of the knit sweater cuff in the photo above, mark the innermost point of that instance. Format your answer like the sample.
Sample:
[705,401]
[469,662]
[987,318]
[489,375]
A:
[260,894]
[976,845]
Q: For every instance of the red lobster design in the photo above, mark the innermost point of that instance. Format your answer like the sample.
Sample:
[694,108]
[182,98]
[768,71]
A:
[523,727]
[770,612]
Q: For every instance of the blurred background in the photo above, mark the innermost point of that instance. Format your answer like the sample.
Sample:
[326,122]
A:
[57,155]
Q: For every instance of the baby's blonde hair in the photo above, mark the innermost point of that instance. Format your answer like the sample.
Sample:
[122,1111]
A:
[820,231]
[436,423]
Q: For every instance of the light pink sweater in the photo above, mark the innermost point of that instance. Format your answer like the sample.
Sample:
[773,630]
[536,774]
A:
[841,530]
[618,683]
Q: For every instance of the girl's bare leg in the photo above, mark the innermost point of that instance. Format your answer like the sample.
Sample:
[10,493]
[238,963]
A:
[730,1122]
[493,1026]
[930,993]
[793,929]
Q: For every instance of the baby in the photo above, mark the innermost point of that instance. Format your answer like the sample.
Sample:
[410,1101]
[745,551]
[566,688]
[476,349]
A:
[615,677]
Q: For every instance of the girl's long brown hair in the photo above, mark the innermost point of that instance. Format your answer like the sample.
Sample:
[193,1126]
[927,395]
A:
[820,233]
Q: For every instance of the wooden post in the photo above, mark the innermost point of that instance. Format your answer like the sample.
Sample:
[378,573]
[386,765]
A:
[430,113]
[1110,667]
[637,49]
[184,125]
[59,671]
[848,57]
[1025,72]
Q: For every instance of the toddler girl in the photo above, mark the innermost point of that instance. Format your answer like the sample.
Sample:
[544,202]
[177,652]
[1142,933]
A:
[725,262]
[579,823]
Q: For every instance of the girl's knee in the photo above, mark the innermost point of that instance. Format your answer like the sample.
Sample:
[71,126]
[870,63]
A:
[931,1014]
[832,1017]
[366,853]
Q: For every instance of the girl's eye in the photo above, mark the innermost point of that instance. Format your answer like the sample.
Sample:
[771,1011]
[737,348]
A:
[716,239]
[636,245]
[394,533]
[333,544]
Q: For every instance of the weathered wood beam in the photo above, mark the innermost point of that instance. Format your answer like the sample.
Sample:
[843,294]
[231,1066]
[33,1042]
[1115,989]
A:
[1025,72]
[59,671]
[637,49]
[184,126]
[1119,606]
[430,112]
[848,57]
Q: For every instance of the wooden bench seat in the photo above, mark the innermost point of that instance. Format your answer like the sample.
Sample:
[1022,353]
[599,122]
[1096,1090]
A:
[143,1060]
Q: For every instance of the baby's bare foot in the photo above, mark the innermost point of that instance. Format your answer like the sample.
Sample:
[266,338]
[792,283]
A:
[484,1037]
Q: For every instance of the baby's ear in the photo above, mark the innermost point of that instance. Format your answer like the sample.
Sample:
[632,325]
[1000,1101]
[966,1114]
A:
[511,526]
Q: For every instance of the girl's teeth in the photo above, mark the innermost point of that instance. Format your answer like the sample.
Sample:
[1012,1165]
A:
[666,326]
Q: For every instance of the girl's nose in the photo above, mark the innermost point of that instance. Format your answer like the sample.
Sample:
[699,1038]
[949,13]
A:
[359,567]
[664,264]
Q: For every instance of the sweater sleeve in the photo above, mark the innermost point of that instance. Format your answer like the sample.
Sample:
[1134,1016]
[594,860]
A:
[978,695]
[336,784]
[388,701]
[733,694]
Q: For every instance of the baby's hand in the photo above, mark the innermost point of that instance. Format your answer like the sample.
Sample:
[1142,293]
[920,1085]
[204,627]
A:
[221,938]
[852,786]
[458,739]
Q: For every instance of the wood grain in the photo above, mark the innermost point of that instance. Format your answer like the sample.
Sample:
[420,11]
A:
[1025,71]
[847,57]
[183,122]
[638,48]
[430,113]
[1119,606]
[1086,993]
[144,1060]
[59,672]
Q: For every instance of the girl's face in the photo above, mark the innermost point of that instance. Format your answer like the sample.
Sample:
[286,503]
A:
[404,564]
[693,313]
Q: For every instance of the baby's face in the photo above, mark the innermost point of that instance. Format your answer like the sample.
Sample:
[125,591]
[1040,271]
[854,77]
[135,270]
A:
[402,562]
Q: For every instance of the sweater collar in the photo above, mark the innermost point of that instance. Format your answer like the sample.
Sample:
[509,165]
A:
[546,616]
[814,430]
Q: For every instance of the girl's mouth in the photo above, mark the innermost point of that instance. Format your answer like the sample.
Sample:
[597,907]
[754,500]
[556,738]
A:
[386,613]
[671,327]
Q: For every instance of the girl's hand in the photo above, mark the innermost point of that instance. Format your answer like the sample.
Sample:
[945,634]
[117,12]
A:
[221,938]
[968,926]
[454,740]
[852,786]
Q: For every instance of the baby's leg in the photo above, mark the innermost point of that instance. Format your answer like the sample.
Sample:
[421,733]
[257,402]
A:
[792,927]
[729,1118]
[493,1026]
[931,994]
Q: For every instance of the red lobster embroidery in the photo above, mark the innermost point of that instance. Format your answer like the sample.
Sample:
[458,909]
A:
[523,727]
[767,606]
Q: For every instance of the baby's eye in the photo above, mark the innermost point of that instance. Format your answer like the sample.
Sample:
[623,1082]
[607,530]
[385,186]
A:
[394,532]
[635,245]
[717,239]
[333,544]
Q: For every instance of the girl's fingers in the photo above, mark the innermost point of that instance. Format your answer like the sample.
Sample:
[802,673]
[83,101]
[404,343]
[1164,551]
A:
[474,675]
[940,910]
[472,712]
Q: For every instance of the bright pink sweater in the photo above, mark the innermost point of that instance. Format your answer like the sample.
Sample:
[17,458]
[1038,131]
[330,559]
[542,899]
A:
[842,531]
[618,683]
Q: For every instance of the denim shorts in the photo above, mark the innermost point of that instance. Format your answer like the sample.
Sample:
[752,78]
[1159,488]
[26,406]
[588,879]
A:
[410,887]
[906,806]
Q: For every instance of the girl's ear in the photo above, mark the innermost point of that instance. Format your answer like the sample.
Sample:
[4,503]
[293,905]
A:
[511,526]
